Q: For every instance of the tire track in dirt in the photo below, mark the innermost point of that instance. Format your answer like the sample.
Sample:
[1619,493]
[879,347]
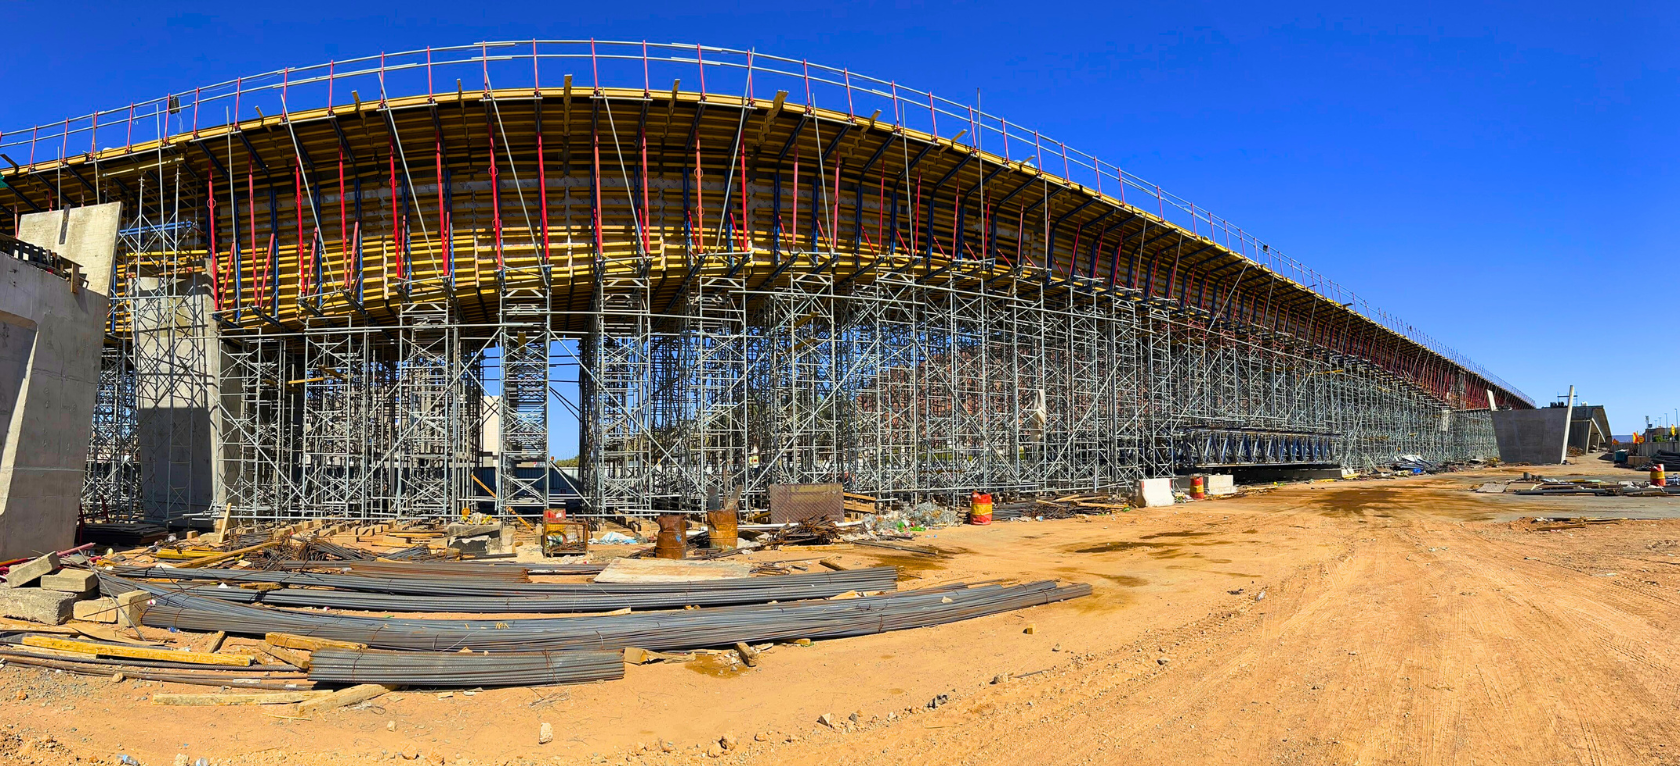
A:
[1419,642]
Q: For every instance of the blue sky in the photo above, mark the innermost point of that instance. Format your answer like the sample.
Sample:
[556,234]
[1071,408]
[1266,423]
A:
[1501,175]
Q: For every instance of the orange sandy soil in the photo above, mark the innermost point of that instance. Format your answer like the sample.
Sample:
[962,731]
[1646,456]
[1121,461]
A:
[1403,621]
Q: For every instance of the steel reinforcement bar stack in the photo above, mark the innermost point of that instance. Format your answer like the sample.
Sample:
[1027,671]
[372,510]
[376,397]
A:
[719,626]
[428,669]
[415,595]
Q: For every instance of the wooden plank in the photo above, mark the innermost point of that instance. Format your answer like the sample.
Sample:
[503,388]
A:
[290,657]
[342,697]
[218,558]
[308,643]
[135,652]
[107,633]
[218,700]
[13,626]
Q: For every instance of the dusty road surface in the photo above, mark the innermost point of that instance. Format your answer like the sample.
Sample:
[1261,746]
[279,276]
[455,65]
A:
[1399,621]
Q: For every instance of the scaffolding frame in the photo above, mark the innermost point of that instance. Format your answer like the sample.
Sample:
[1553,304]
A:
[752,290]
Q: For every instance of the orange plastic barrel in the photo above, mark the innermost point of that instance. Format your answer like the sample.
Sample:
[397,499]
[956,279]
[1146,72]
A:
[1659,478]
[980,509]
[1198,488]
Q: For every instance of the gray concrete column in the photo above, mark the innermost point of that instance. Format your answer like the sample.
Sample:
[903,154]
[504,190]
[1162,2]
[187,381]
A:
[51,331]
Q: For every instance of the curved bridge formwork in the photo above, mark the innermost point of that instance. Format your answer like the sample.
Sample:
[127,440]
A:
[341,301]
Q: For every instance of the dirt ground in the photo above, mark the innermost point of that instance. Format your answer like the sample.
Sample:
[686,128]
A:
[1364,622]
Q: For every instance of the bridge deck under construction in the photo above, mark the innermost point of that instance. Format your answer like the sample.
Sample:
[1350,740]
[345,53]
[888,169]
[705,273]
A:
[372,289]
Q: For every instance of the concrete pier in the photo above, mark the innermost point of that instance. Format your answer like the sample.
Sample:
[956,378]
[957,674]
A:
[50,334]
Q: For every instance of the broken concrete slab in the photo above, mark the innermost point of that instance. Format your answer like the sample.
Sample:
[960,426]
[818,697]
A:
[474,540]
[78,581]
[48,607]
[28,572]
[95,610]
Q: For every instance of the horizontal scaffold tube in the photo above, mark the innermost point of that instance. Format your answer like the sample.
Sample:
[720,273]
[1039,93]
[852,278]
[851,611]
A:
[720,626]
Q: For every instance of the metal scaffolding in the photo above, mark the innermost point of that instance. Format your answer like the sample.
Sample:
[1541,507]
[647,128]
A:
[386,307]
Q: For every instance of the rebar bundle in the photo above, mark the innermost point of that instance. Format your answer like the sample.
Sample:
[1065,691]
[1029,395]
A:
[465,589]
[443,669]
[719,626]
[264,677]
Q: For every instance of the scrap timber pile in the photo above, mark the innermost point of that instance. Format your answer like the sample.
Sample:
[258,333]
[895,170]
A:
[293,612]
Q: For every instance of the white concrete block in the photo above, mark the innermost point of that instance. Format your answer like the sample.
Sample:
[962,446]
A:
[1155,492]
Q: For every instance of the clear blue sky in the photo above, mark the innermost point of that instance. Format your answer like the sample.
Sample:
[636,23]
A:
[1501,175]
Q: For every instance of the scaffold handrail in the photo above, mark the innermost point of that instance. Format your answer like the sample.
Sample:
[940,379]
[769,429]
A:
[505,65]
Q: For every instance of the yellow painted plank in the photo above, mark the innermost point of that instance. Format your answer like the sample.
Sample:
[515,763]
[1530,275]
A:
[135,652]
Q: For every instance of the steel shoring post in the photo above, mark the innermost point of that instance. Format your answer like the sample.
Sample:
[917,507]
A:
[938,396]
[618,449]
[111,482]
[1056,398]
[698,377]
[968,375]
[255,428]
[1166,376]
[863,416]
[338,416]
[522,456]
[1029,316]
[885,366]
[797,384]
[1001,425]
[718,413]
[172,334]
[434,421]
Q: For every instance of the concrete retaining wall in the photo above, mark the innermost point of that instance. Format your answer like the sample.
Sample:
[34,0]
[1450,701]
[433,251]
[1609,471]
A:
[1530,436]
